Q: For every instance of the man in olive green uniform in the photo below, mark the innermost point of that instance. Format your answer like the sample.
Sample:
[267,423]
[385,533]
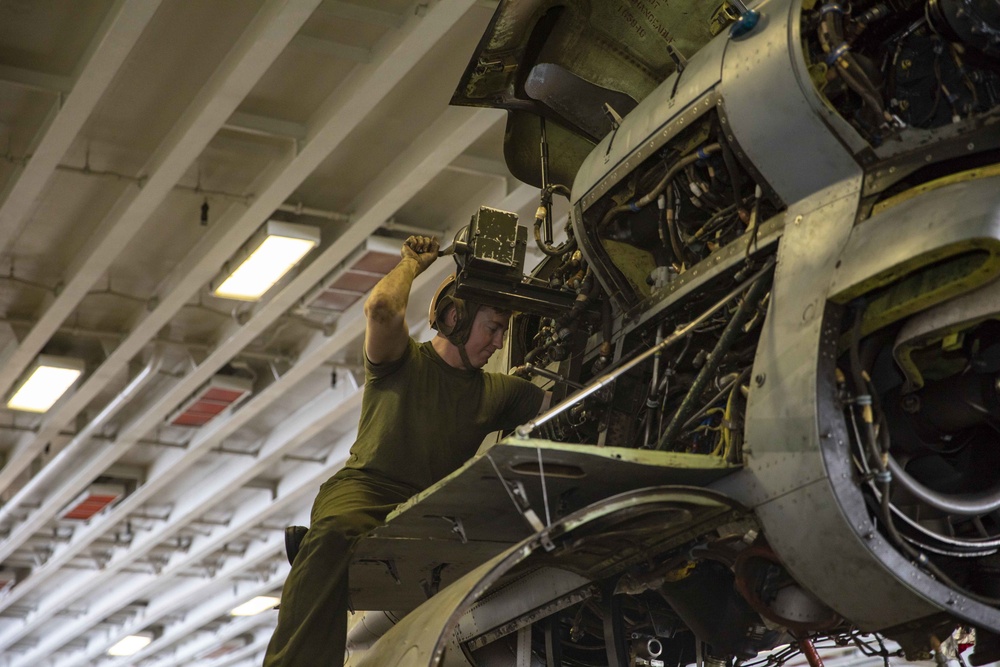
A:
[426,408]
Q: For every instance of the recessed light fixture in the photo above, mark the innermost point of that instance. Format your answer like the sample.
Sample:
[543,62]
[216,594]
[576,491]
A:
[132,644]
[269,255]
[255,606]
[45,382]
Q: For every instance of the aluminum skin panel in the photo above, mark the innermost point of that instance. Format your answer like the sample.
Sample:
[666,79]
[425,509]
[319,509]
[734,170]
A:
[932,225]
[672,107]
[775,113]
[794,499]
[799,477]
[427,637]
[781,448]
[392,567]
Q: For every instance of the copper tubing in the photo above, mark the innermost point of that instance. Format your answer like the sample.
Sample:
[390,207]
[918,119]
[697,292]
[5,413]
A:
[809,651]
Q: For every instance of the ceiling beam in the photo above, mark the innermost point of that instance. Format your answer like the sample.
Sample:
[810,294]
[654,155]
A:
[362,14]
[257,48]
[34,80]
[262,125]
[332,49]
[480,166]
[105,55]
[177,599]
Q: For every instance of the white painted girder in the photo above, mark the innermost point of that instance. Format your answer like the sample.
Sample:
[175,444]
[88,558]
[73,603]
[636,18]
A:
[262,626]
[269,127]
[114,40]
[317,415]
[257,48]
[212,609]
[178,598]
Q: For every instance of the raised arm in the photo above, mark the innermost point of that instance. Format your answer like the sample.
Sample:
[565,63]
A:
[386,335]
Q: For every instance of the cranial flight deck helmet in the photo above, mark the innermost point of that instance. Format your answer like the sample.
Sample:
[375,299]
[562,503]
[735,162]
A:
[465,313]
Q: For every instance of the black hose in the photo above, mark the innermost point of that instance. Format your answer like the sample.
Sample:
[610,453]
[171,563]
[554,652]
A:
[569,245]
[544,215]
[681,251]
[733,329]
[651,196]
[607,330]
[859,83]
[734,173]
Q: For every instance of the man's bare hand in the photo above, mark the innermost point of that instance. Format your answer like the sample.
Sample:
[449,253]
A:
[424,249]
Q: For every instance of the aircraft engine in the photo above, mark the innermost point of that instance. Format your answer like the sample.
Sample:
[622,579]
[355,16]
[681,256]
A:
[780,271]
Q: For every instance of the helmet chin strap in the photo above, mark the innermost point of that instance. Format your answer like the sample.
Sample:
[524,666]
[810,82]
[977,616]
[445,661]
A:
[465,358]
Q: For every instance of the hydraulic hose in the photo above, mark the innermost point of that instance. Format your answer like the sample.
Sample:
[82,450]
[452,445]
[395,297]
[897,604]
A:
[733,329]
[651,196]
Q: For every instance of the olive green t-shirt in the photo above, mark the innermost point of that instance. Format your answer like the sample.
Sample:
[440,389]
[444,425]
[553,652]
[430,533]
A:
[421,418]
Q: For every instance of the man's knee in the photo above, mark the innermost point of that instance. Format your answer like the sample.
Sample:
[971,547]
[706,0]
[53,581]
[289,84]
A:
[337,531]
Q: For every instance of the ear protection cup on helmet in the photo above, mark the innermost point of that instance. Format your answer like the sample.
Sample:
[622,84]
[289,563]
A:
[465,313]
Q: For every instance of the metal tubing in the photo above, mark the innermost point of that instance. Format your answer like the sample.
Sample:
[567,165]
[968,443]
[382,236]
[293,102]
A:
[550,375]
[546,197]
[970,504]
[525,430]
[809,651]
[726,340]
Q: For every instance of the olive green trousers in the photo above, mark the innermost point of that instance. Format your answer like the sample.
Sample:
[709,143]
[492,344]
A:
[312,617]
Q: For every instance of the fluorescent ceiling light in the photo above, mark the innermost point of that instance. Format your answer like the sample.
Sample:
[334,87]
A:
[271,253]
[46,381]
[131,644]
[255,606]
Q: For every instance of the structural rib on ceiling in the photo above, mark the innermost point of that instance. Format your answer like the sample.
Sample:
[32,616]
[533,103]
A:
[108,50]
[274,26]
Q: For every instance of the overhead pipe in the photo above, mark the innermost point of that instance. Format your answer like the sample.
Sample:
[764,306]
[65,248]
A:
[58,462]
